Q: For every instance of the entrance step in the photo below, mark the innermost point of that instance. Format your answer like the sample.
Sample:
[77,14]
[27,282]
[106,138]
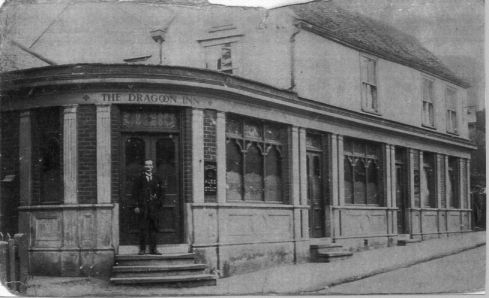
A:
[168,269]
[405,239]
[169,281]
[326,251]
[166,248]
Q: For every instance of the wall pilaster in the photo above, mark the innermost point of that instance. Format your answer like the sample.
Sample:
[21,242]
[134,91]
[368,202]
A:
[221,156]
[198,155]
[104,157]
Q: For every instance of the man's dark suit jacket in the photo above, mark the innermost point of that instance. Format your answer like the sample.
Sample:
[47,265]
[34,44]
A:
[149,196]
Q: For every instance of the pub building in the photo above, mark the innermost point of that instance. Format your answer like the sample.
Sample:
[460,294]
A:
[353,145]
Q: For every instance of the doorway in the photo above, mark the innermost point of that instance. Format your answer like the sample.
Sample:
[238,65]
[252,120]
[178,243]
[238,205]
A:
[315,194]
[402,191]
[162,148]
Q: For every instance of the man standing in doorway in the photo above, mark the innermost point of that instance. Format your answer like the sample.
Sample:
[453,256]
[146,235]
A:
[149,193]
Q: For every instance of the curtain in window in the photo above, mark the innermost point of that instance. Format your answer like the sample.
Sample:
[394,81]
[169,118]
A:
[273,181]
[359,186]
[253,174]
[234,170]
[372,184]
[348,181]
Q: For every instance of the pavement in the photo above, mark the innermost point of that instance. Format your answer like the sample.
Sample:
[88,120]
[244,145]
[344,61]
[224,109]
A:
[305,278]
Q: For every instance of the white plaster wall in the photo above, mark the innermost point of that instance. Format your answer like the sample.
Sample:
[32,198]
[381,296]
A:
[330,73]
[327,72]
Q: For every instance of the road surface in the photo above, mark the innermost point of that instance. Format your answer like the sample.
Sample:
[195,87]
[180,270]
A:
[462,272]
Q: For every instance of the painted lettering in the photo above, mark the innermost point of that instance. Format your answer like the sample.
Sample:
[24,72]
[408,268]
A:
[112,97]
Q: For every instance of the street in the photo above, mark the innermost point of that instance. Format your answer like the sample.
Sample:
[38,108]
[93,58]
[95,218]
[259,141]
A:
[463,272]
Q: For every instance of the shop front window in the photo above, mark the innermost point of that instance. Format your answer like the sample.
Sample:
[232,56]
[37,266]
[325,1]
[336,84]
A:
[254,160]
[48,130]
[362,174]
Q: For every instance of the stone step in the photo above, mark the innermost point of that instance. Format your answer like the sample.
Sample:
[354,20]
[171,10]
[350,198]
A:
[331,246]
[332,256]
[155,260]
[404,242]
[158,271]
[169,281]
[164,248]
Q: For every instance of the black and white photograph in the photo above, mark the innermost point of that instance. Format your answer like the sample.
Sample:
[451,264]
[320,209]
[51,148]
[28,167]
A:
[167,148]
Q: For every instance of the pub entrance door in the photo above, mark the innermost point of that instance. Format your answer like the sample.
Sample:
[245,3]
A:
[161,148]
[315,194]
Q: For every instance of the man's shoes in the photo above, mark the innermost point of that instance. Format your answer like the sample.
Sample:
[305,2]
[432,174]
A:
[155,252]
[141,252]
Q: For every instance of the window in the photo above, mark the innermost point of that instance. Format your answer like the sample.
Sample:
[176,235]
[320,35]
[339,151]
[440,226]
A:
[254,160]
[453,183]
[428,111]
[220,57]
[369,84]
[362,170]
[451,101]
[48,130]
[429,181]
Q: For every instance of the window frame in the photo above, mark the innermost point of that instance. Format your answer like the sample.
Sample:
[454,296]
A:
[430,102]
[451,108]
[364,82]
[264,146]
[218,43]
[353,159]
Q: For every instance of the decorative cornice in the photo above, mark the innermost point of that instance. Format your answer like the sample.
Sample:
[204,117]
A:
[76,76]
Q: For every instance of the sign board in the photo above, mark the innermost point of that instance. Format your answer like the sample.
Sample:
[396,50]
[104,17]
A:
[210,178]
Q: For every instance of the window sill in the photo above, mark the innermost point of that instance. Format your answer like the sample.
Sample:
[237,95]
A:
[428,126]
[451,132]
[371,112]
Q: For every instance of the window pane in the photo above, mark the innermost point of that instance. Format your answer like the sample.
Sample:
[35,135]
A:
[273,181]
[234,170]
[233,126]
[48,126]
[372,184]
[359,183]
[348,182]
[253,130]
[254,174]
[273,133]
[165,164]
[51,170]
[427,90]
[417,188]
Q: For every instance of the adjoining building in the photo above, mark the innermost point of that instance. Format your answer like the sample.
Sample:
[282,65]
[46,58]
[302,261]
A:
[272,130]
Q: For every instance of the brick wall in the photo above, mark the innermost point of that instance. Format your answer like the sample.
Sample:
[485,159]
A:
[115,118]
[9,166]
[210,117]
[87,154]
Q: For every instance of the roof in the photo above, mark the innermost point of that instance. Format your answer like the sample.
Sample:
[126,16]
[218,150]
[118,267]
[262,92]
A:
[372,36]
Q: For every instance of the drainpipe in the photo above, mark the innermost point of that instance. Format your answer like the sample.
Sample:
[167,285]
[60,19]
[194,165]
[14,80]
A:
[292,58]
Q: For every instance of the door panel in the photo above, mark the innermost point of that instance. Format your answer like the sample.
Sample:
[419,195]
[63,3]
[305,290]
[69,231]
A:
[162,149]
[315,194]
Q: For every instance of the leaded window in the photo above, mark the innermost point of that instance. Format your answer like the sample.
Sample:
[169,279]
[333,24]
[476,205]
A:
[362,171]
[255,162]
